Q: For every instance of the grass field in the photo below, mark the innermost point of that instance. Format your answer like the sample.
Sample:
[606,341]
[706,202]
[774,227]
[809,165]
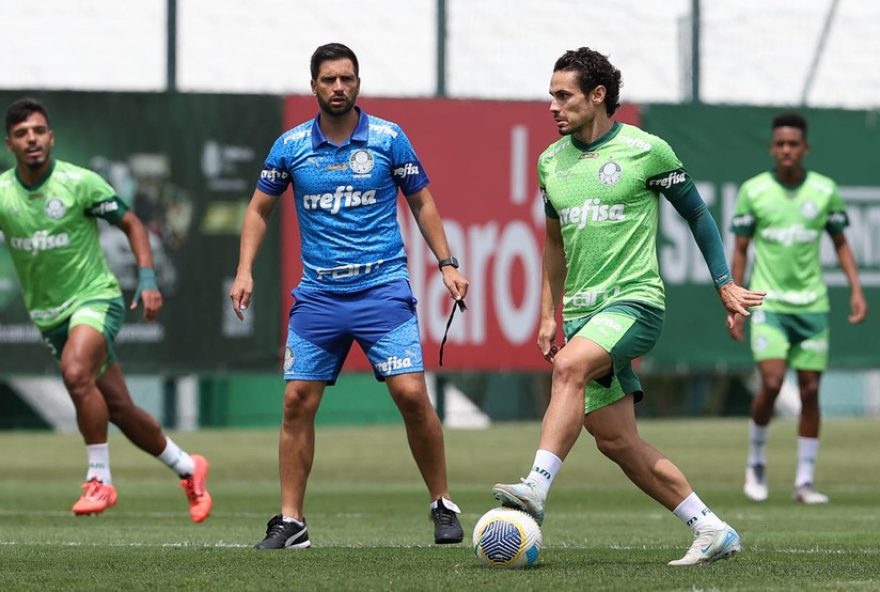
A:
[368,517]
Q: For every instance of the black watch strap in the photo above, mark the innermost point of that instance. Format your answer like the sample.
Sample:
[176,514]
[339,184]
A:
[448,261]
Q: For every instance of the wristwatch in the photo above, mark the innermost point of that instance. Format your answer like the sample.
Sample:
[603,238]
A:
[449,261]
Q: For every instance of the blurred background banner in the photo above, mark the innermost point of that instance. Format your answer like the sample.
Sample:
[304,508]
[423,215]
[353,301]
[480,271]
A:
[185,164]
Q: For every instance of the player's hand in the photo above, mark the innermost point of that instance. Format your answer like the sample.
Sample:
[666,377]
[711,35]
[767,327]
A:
[858,307]
[547,339]
[241,292]
[147,292]
[737,331]
[737,300]
[456,283]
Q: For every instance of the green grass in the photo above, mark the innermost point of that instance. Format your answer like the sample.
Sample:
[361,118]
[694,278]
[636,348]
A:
[368,517]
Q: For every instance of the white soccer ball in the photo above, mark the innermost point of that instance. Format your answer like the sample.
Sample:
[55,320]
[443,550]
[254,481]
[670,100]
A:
[507,538]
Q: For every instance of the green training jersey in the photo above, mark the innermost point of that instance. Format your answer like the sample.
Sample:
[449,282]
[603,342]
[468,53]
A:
[786,224]
[51,231]
[605,196]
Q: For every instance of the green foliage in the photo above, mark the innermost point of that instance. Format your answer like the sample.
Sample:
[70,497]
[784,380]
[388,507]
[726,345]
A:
[368,515]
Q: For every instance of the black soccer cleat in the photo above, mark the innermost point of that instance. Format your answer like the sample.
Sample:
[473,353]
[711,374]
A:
[447,529]
[285,535]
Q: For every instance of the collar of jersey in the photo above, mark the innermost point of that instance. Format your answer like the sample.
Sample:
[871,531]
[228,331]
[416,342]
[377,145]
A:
[361,132]
[36,185]
[789,187]
[609,135]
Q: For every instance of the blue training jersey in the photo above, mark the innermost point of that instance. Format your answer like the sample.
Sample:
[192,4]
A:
[346,200]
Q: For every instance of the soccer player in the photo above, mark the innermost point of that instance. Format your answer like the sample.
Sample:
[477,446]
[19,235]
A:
[48,214]
[601,185]
[346,168]
[785,210]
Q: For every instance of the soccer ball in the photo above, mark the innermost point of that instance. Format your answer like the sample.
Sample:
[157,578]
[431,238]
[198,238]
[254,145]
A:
[507,538]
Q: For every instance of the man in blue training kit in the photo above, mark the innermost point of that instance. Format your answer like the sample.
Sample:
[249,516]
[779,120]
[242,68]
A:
[346,168]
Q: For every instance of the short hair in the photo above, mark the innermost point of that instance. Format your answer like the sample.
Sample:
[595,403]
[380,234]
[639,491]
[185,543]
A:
[332,51]
[791,120]
[592,69]
[21,109]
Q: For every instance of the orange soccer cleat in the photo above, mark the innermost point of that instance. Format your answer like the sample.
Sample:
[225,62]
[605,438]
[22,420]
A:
[97,497]
[196,490]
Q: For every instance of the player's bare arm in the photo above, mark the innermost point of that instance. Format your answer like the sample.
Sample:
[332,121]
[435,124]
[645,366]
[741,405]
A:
[738,272]
[147,290]
[857,304]
[253,231]
[551,291]
[425,213]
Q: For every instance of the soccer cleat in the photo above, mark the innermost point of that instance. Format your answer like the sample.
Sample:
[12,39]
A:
[805,494]
[285,535]
[521,496]
[195,486]
[96,498]
[710,546]
[755,486]
[447,528]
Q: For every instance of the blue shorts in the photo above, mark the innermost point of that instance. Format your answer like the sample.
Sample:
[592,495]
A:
[323,325]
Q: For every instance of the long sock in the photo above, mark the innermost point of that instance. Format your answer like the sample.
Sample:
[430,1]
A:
[808,450]
[544,470]
[693,512]
[177,459]
[99,462]
[757,443]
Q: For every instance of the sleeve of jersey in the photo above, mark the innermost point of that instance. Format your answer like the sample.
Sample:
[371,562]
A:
[837,216]
[274,177]
[692,208]
[743,222]
[101,200]
[665,174]
[406,170]
[549,210]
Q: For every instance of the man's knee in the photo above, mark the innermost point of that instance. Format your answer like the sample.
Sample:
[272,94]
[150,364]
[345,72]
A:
[77,377]
[617,447]
[299,403]
[772,383]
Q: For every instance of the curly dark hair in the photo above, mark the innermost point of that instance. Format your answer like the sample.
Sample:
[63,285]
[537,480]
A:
[329,52]
[593,69]
[21,110]
[792,119]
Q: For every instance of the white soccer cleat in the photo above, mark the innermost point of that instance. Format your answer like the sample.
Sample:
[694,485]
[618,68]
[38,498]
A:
[805,494]
[521,496]
[710,546]
[755,486]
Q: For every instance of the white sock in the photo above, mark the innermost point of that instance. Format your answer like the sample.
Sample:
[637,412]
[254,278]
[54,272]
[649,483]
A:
[757,443]
[99,462]
[289,520]
[808,450]
[544,470]
[177,459]
[693,512]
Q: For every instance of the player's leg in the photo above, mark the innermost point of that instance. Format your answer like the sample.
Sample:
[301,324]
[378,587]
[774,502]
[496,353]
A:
[318,341]
[597,348]
[144,431]
[809,356]
[424,434]
[617,437]
[390,339]
[82,354]
[770,347]
[296,454]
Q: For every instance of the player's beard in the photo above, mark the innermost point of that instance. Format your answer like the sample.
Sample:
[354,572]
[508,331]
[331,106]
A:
[336,111]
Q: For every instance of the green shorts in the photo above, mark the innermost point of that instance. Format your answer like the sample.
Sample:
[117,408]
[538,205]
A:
[626,330]
[800,339]
[105,316]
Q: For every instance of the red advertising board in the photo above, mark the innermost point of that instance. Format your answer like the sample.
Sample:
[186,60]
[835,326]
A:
[480,157]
